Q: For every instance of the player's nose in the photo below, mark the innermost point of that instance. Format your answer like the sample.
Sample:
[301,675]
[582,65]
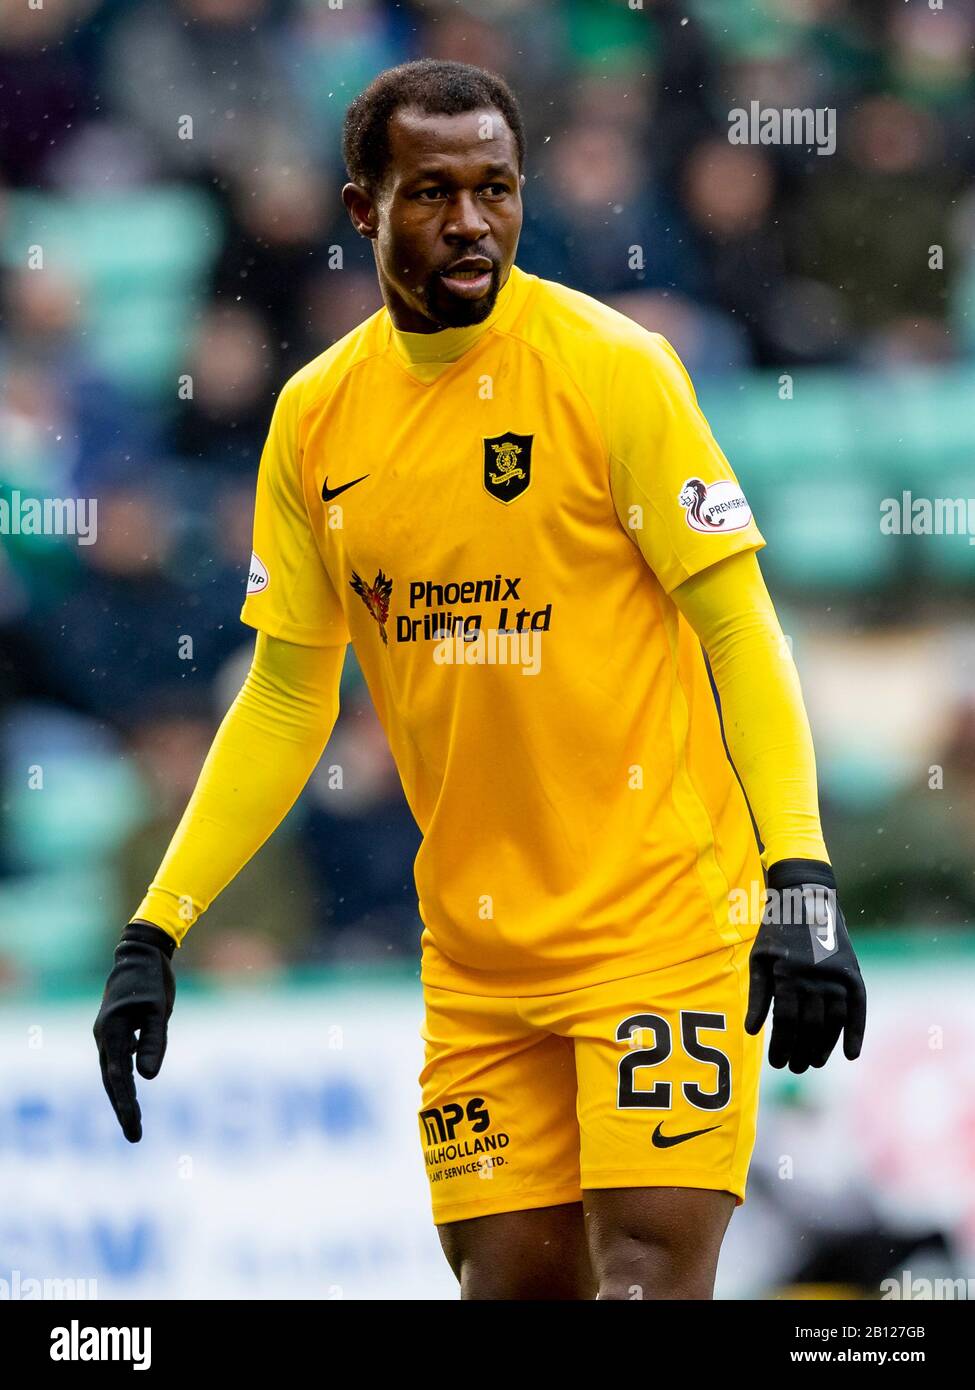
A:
[465,219]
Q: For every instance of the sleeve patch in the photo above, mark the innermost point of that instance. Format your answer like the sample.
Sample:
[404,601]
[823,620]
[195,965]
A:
[714,508]
[257,576]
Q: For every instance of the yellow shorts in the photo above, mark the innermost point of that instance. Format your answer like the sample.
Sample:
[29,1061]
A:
[646,1081]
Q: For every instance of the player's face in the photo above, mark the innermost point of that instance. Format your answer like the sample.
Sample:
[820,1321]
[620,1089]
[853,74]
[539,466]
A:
[447,219]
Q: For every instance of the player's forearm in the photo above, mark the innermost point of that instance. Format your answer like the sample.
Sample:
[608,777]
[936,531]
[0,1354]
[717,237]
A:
[765,721]
[263,754]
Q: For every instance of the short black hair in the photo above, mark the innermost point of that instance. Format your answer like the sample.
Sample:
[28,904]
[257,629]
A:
[433,86]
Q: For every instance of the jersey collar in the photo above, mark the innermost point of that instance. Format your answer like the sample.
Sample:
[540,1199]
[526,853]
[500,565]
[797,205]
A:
[424,350]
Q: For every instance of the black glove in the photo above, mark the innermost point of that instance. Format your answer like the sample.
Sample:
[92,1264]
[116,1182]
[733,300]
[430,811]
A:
[803,958]
[138,997]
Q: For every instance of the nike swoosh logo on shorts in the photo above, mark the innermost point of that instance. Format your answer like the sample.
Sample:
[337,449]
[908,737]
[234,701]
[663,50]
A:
[666,1141]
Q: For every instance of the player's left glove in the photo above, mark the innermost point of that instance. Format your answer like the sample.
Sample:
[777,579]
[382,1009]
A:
[138,999]
[804,960]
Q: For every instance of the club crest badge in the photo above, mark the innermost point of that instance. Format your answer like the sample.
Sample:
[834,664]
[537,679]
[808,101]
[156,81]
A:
[507,465]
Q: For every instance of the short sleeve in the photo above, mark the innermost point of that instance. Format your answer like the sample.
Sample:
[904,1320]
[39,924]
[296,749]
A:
[289,592]
[674,491]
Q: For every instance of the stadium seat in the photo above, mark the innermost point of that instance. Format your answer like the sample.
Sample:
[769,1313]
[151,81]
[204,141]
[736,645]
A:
[141,258]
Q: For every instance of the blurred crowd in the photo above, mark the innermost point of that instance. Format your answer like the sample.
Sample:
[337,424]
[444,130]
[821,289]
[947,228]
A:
[173,246]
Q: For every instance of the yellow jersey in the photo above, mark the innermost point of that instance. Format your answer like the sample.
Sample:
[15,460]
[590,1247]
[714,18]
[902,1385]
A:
[498,536]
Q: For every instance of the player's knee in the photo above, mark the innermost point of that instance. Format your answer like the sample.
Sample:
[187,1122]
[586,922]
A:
[479,1282]
[636,1269]
[537,1254]
[488,1276]
[628,1288]
[485,1277]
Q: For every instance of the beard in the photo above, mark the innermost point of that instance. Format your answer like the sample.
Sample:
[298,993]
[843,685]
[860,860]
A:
[448,310]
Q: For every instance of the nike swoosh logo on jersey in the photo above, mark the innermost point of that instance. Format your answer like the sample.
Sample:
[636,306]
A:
[329,492]
[667,1141]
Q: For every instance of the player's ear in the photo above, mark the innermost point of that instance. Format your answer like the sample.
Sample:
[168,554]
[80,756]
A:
[361,209]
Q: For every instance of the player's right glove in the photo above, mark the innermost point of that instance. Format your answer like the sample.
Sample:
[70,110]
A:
[803,959]
[138,998]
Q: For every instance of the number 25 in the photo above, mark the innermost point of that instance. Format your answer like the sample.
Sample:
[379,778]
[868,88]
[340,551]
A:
[658,1096]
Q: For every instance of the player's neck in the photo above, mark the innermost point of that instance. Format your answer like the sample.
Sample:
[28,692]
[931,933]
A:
[448,344]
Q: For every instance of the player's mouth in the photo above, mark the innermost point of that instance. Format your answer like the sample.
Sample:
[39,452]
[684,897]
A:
[469,278]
